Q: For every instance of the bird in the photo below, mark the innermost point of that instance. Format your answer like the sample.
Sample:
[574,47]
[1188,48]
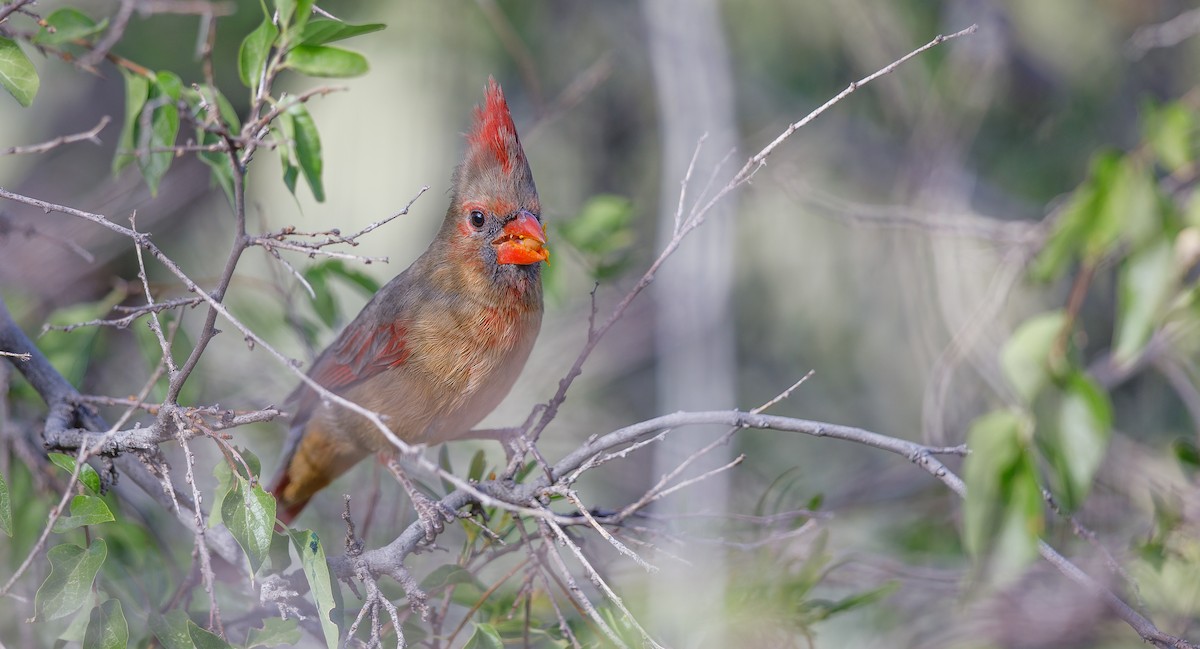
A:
[439,346]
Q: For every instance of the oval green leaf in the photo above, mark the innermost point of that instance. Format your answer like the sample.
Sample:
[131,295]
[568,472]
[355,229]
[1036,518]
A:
[1084,430]
[274,632]
[1002,513]
[252,55]
[107,628]
[325,61]
[69,24]
[312,558]
[171,629]
[1169,131]
[1145,283]
[137,90]
[164,127]
[319,32]
[17,74]
[485,637]
[85,510]
[72,571]
[204,639]
[1025,356]
[308,149]
[249,513]
[87,475]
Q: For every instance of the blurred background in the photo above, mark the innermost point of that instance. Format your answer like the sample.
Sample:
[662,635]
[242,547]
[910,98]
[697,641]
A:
[871,239]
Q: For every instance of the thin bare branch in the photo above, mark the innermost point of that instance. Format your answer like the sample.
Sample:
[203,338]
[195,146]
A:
[1165,34]
[599,582]
[694,220]
[90,135]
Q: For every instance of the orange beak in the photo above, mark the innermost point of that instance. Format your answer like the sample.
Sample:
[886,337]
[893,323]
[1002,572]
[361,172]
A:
[522,241]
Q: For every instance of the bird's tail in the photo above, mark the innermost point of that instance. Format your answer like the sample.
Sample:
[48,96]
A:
[312,459]
[287,506]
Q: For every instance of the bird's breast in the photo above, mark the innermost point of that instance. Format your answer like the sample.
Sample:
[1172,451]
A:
[470,359]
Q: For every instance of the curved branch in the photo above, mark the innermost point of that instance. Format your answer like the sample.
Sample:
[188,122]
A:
[388,559]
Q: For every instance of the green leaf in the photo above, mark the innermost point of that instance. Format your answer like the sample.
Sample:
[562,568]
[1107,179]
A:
[107,628]
[249,513]
[1084,430]
[274,632]
[85,510]
[1025,356]
[77,629]
[1145,283]
[71,353]
[203,639]
[171,629]
[72,571]
[1084,226]
[1105,224]
[224,476]
[1002,514]
[602,227]
[5,508]
[325,61]
[218,161]
[367,285]
[17,74]
[1169,131]
[225,109]
[319,32]
[994,440]
[484,637]
[1133,200]
[1015,545]
[252,55]
[137,90]
[69,24]
[249,462]
[312,558]
[290,174]
[164,128]
[308,149]
[1187,452]
[286,137]
[324,303]
[293,15]
[284,9]
[478,466]
[444,575]
[603,232]
[1066,239]
[87,475]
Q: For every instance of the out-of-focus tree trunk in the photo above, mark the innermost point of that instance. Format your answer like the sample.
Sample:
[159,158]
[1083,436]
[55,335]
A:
[694,331]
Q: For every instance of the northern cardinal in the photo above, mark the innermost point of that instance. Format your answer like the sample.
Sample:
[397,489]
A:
[438,347]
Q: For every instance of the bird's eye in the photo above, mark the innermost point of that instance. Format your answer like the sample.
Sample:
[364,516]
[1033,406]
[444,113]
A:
[476,218]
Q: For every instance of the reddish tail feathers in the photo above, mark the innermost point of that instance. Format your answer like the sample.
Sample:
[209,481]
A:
[286,511]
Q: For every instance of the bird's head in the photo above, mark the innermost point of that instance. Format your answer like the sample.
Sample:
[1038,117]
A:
[494,220]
